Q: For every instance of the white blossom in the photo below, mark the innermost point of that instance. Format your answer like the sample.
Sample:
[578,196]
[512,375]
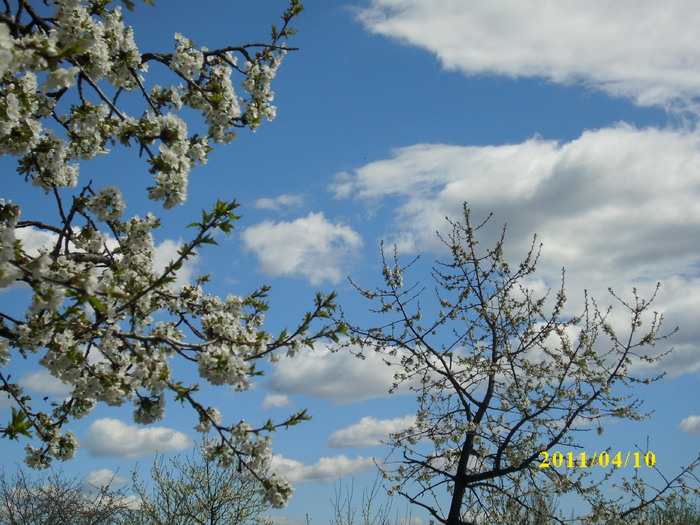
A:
[121,322]
[61,78]
[187,61]
[108,204]
[220,365]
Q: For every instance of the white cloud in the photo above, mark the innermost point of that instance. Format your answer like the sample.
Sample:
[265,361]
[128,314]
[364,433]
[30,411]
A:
[311,247]
[617,207]
[643,49]
[278,203]
[275,401]
[339,377]
[104,477]
[114,438]
[325,470]
[690,425]
[42,381]
[617,198]
[369,432]
[33,239]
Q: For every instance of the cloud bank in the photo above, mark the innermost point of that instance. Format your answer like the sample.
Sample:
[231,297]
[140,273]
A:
[642,49]
[616,207]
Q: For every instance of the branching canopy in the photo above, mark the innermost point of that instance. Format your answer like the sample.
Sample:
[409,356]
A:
[99,314]
[501,376]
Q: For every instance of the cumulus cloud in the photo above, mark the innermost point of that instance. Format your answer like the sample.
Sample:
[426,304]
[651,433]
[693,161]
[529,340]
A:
[280,202]
[339,377]
[42,381]
[325,470]
[114,438]
[690,425]
[275,401]
[617,207]
[369,432]
[310,247]
[644,49]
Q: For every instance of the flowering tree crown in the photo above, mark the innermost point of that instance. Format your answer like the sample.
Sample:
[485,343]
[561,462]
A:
[100,314]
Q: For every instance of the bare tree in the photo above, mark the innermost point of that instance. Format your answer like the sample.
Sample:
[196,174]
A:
[504,379]
[57,500]
[371,512]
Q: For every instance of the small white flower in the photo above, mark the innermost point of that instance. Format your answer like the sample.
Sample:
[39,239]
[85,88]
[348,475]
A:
[61,78]
[108,204]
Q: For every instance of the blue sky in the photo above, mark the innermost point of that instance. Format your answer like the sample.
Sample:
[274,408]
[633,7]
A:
[573,120]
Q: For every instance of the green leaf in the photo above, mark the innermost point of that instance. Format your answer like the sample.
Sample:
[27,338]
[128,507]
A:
[19,426]
[181,392]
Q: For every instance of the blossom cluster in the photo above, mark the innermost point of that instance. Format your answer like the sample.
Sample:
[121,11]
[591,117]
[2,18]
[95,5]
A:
[100,316]
[76,46]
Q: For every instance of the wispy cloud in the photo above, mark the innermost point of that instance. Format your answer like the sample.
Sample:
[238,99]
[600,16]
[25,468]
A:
[369,432]
[275,401]
[114,438]
[34,239]
[310,247]
[6,401]
[280,202]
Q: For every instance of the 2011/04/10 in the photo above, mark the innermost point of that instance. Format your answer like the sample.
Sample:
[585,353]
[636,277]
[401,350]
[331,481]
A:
[603,459]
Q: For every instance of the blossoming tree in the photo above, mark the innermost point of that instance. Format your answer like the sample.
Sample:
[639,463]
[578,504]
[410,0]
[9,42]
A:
[505,381]
[100,315]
